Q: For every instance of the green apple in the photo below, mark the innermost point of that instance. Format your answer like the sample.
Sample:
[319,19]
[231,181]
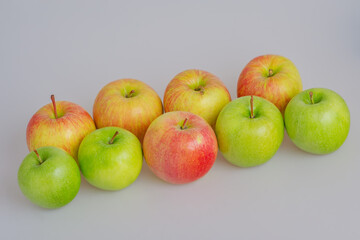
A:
[249,130]
[317,120]
[49,177]
[110,158]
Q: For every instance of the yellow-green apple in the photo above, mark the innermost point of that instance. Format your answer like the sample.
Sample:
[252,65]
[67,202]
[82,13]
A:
[129,104]
[49,177]
[197,91]
[249,130]
[60,124]
[317,120]
[272,77]
[180,147]
[110,158]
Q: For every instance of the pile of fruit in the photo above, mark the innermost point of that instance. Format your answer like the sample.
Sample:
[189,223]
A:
[181,145]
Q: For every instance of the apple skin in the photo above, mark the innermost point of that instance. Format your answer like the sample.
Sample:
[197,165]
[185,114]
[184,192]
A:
[52,183]
[180,155]
[279,88]
[110,166]
[66,131]
[197,91]
[134,113]
[318,128]
[245,141]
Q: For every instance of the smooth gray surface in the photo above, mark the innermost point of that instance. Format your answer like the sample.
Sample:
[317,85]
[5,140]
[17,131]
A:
[73,48]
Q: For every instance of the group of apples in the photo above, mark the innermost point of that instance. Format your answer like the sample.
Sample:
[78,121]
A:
[181,145]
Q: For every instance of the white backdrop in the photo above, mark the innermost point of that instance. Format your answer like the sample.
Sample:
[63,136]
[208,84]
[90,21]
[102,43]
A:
[73,48]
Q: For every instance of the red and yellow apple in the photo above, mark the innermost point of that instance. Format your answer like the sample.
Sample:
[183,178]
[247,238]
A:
[272,77]
[180,147]
[60,124]
[199,92]
[129,104]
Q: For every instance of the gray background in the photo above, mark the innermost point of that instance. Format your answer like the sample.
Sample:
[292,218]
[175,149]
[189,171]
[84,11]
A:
[73,48]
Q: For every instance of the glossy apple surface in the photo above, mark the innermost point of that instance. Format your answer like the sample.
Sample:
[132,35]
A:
[128,104]
[272,77]
[320,125]
[110,158]
[64,128]
[197,91]
[180,147]
[247,141]
[51,180]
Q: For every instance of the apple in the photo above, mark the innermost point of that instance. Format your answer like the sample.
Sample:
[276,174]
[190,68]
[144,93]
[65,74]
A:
[180,147]
[110,158]
[196,91]
[272,77]
[49,177]
[60,124]
[317,120]
[249,130]
[128,104]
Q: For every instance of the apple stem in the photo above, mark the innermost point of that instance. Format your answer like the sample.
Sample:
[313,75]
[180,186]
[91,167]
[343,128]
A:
[130,94]
[54,104]
[270,72]
[252,107]
[113,138]
[184,124]
[200,89]
[38,156]
[311,97]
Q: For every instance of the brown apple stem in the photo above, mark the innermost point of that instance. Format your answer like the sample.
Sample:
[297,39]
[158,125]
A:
[54,104]
[130,94]
[184,124]
[113,138]
[200,89]
[270,72]
[311,97]
[252,107]
[38,156]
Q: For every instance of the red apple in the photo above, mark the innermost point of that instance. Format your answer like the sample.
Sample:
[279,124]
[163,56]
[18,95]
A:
[272,77]
[199,92]
[180,147]
[128,104]
[60,124]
